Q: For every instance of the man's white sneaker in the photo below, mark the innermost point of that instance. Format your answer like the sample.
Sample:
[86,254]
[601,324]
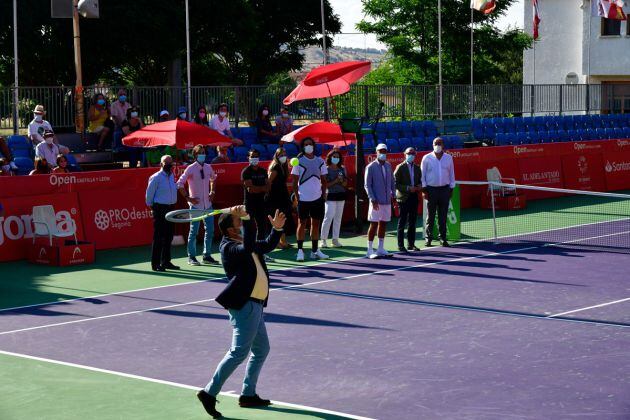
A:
[336,244]
[383,253]
[319,255]
[300,255]
[371,254]
[324,244]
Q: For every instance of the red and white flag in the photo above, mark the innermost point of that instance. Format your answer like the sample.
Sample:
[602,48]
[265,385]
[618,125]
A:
[609,9]
[536,18]
[485,6]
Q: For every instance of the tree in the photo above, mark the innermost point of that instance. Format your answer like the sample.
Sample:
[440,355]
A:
[410,29]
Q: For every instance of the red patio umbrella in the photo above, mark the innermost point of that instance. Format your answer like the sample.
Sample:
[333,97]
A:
[321,132]
[328,81]
[180,133]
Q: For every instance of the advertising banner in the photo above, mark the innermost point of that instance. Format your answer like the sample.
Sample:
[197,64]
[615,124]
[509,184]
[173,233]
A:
[543,172]
[617,170]
[453,219]
[584,171]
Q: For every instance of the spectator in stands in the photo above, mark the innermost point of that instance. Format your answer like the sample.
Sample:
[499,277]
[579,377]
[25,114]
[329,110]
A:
[164,116]
[182,114]
[381,190]
[5,153]
[41,166]
[284,122]
[5,169]
[100,121]
[278,197]
[264,130]
[47,149]
[119,108]
[201,117]
[62,165]
[222,155]
[37,127]
[408,184]
[130,124]
[221,123]
[337,180]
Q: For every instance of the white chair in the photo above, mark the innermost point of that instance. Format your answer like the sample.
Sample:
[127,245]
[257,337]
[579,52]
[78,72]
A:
[494,176]
[45,223]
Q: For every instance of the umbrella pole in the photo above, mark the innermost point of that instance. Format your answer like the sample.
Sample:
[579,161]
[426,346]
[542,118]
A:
[358,184]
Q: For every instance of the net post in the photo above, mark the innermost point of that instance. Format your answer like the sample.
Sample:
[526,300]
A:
[494,214]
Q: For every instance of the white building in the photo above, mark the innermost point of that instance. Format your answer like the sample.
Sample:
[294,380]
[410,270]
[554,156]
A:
[576,47]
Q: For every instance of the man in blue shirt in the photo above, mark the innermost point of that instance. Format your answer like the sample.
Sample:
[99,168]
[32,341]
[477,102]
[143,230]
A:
[161,196]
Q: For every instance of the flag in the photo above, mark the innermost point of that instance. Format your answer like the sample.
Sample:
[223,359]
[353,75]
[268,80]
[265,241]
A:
[485,6]
[609,9]
[536,18]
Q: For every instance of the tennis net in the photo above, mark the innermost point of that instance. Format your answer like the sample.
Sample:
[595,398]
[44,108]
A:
[526,214]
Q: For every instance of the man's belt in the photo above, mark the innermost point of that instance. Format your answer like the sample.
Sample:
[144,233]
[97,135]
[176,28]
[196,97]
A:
[262,302]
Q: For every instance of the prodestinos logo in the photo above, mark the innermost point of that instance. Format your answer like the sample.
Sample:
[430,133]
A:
[119,218]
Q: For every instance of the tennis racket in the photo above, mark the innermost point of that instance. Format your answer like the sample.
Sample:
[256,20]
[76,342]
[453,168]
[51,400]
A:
[192,215]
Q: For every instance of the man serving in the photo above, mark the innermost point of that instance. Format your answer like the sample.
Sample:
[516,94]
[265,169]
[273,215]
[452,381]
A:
[244,297]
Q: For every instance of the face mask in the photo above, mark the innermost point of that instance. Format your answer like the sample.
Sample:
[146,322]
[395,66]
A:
[202,115]
[39,117]
[437,148]
[201,158]
[410,158]
[223,113]
[254,161]
[285,115]
[134,115]
[282,159]
[48,140]
[308,149]
[265,112]
[182,115]
[122,98]
[167,167]
[382,157]
[101,102]
[335,160]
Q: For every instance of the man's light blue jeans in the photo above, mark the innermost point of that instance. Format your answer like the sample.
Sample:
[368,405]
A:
[208,222]
[249,333]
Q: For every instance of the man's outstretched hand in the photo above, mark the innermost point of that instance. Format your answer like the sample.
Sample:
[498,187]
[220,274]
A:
[278,220]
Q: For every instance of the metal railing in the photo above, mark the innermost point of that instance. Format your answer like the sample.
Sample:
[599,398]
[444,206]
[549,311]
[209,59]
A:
[400,102]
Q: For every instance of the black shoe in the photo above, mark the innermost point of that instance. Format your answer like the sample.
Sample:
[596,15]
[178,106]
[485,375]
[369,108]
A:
[446,244]
[402,250]
[413,248]
[252,401]
[428,242]
[170,266]
[193,261]
[158,268]
[209,260]
[209,403]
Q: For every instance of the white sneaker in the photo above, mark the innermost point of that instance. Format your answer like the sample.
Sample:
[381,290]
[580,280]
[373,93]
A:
[324,244]
[269,259]
[336,243]
[319,255]
[383,253]
[300,255]
[371,254]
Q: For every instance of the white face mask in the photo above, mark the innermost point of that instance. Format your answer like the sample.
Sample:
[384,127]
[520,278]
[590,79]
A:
[39,117]
[265,112]
[223,113]
[254,161]
[48,140]
[134,115]
[285,115]
[308,149]
[282,159]
[437,148]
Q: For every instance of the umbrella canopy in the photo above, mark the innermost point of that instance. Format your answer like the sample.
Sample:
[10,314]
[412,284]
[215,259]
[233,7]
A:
[330,80]
[180,133]
[321,132]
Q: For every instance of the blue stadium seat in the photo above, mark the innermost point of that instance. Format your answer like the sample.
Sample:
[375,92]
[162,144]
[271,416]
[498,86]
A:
[626,132]
[18,142]
[583,134]
[271,149]
[291,149]
[527,123]
[457,142]
[392,145]
[533,137]
[240,153]
[498,124]
[501,139]
[393,134]
[262,149]
[417,127]
[72,163]
[405,125]
[512,138]
[430,130]
[508,125]
[610,133]
[539,123]
[369,146]
[477,129]
[404,142]
[518,124]
[596,119]
[522,137]
[25,165]
[25,153]
[573,135]
[418,143]
[368,136]
[325,149]
[618,133]
[544,136]
[406,133]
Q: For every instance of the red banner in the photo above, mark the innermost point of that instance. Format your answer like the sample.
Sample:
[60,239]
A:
[584,171]
[543,172]
[617,170]
[16,226]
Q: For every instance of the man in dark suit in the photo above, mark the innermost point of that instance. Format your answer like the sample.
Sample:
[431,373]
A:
[408,184]
[244,297]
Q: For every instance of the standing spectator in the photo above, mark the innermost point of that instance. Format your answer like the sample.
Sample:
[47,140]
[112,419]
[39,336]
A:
[200,178]
[5,154]
[37,127]
[130,124]
[100,121]
[336,180]
[47,149]
[182,114]
[278,197]
[438,182]
[62,165]
[222,155]
[41,166]
[164,116]
[264,129]
[161,195]
[201,117]
[408,178]
[309,182]
[380,188]
[284,122]
[256,186]
[119,108]
[221,123]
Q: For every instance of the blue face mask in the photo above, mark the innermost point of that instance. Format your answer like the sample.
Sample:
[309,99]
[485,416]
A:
[101,102]
[254,161]
[382,157]
[122,98]
[410,158]
[201,158]
[335,160]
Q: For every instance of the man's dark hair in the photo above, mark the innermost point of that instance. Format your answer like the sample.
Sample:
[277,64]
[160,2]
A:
[221,106]
[253,152]
[225,222]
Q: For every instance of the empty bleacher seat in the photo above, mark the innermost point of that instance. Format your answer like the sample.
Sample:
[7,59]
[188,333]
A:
[240,153]
[626,132]
[291,149]
[25,165]
[477,129]
[404,142]
[392,145]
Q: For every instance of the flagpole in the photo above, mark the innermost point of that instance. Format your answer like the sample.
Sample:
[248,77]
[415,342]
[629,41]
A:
[440,59]
[472,52]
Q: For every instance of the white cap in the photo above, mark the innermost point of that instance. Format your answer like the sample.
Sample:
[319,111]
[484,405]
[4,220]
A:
[381,146]
[164,112]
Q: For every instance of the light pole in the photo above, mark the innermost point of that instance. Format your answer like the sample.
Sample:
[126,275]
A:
[79,121]
[440,59]
[16,119]
[188,89]
[325,51]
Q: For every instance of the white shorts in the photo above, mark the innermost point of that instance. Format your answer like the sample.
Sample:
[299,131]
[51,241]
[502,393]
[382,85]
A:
[383,214]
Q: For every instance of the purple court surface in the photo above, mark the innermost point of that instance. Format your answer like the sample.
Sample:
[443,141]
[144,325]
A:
[476,331]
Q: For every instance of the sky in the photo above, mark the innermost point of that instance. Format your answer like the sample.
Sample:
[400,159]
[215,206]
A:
[351,12]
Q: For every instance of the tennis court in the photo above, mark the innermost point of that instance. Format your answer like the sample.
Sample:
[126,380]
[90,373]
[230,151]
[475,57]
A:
[535,325]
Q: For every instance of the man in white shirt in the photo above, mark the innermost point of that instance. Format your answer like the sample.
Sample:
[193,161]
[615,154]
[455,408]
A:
[438,182]
[221,123]
[47,149]
[119,108]
[39,125]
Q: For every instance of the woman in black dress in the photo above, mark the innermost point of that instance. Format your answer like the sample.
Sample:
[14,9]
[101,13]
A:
[278,197]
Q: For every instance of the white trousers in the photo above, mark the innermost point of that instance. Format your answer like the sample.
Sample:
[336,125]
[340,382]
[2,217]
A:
[332,216]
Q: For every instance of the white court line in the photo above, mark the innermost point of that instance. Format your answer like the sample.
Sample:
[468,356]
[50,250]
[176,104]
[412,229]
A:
[354,276]
[589,307]
[175,384]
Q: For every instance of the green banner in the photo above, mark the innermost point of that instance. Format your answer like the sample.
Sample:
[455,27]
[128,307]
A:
[453,220]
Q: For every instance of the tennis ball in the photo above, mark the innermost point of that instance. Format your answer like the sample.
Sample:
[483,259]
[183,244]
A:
[295,162]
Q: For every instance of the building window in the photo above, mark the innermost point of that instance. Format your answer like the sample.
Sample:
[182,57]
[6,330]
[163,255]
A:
[611,27]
